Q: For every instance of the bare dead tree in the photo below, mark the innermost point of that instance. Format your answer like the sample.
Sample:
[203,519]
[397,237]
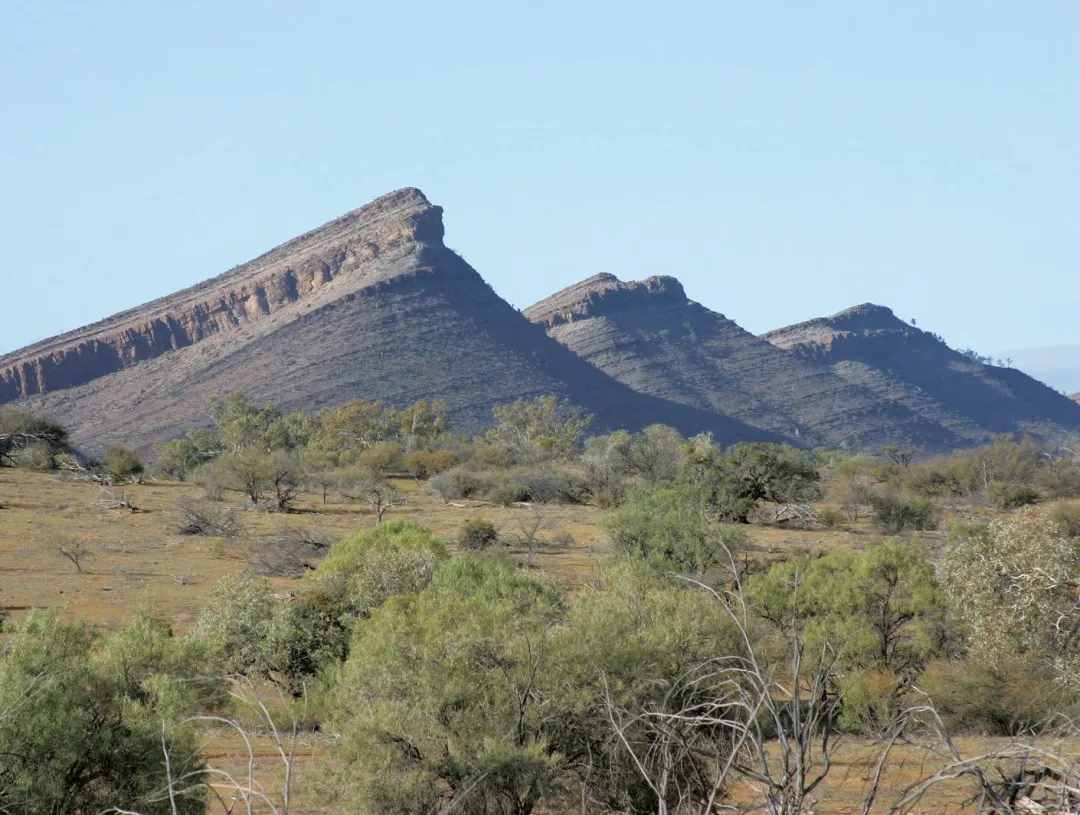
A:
[111,498]
[74,551]
[529,526]
[1037,774]
[374,490]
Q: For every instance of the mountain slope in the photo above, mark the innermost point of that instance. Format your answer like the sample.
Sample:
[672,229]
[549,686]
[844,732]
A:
[869,347]
[1058,366]
[650,336]
[371,305]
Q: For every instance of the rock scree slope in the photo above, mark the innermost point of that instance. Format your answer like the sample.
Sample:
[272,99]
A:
[650,336]
[870,347]
[371,305]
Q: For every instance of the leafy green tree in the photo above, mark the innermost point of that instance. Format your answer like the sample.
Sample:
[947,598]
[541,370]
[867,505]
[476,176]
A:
[179,458]
[22,431]
[540,429]
[737,480]
[669,527]
[467,727]
[652,457]
[422,423]
[241,424]
[881,612]
[259,475]
[78,737]
[349,429]
[237,624]
[627,643]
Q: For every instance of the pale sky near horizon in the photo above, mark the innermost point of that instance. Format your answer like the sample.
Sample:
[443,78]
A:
[784,160]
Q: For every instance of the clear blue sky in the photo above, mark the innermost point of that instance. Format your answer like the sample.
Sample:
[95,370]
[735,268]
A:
[784,160]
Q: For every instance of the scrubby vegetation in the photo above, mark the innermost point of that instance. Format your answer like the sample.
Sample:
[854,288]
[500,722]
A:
[691,670]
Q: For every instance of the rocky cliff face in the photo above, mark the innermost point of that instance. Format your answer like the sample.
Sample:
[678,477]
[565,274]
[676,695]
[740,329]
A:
[869,347]
[648,335]
[372,305]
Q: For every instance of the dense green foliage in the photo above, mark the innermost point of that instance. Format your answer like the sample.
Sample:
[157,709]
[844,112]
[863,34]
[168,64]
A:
[81,718]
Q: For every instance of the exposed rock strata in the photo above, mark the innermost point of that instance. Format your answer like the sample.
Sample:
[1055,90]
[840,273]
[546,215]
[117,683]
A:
[870,347]
[372,305]
[648,335]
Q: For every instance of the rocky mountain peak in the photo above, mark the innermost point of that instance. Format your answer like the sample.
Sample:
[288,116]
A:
[822,332]
[604,294]
[390,237]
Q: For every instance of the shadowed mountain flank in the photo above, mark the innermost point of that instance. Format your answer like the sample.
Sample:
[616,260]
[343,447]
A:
[649,336]
[371,305]
[870,347]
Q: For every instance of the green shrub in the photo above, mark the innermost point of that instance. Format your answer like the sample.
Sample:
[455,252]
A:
[895,514]
[477,534]
[832,517]
[457,483]
[1014,496]
[82,728]
[121,464]
[361,572]
[1008,698]
[669,527]
[1067,516]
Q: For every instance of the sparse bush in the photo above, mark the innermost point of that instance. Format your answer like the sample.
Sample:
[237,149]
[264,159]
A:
[121,464]
[1067,517]
[75,551]
[211,476]
[290,554]
[30,441]
[207,519]
[458,483]
[477,534]
[895,513]
[370,487]
[37,455]
[831,517]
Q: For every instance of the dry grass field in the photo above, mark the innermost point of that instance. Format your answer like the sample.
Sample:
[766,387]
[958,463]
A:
[137,559]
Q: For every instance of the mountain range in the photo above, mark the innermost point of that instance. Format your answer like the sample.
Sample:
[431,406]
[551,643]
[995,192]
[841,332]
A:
[374,305]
